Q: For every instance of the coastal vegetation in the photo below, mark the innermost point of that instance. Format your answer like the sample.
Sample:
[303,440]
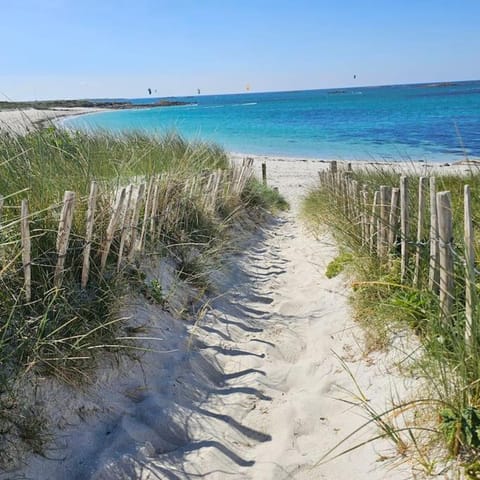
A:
[111,104]
[388,300]
[58,326]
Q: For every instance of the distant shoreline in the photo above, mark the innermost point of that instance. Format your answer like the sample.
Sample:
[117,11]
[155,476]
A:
[65,104]
[23,117]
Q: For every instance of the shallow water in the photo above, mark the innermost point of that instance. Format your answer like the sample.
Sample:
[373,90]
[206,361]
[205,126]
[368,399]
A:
[417,122]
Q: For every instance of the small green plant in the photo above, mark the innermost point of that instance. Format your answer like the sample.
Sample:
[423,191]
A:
[461,428]
[256,194]
[473,471]
[338,264]
[156,292]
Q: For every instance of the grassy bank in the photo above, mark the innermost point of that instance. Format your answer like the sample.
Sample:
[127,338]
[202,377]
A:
[385,304]
[63,329]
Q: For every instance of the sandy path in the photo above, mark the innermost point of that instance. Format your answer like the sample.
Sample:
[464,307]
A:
[250,391]
[275,333]
[281,327]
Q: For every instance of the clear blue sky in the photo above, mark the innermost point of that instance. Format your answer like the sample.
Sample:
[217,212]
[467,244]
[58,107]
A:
[119,48]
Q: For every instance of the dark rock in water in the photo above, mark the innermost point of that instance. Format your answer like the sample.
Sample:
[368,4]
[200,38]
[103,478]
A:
[439,84]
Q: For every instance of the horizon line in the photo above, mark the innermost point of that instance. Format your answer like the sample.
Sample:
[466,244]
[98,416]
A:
[433,83]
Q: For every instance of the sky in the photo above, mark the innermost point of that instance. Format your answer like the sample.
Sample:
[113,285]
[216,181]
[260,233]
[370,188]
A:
[51,49]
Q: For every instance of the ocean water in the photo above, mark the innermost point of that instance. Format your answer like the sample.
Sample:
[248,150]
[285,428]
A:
[435,123]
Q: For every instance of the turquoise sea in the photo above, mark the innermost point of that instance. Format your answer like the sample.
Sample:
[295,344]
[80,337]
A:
[435,122]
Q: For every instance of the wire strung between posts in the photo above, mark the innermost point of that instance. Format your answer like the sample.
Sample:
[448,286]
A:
[458,256]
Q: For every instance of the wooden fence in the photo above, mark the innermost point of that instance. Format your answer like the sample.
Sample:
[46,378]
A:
[384,224]
[135,214]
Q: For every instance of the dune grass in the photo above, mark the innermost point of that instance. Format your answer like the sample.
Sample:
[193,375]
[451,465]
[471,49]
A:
[383,304]
[62,331]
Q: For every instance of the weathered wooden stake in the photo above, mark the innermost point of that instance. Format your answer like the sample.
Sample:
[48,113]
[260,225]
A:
[364,217]
[393,220]
[146,213]
[422,188]
[154,211]
[470,300]
[136,215]
[214,192]
[374,223]
[107,243]
[404,227]
[26,251]
[64,228]
[264,173]
[92,200]
[345,195]
[445,230]
[385,196]
[366,214]
[125,225]
[433,271]
[354,204]
[333,167]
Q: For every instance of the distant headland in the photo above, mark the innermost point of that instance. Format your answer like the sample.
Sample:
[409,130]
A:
[114,105]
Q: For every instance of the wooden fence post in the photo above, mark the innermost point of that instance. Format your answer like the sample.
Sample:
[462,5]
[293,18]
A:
[374,223]
[364,206]
[445,230]
[207,190]
[214,192]
[136,215]
[154,210]
[433,271]
[422,187]
[26,251]
[393,220]
[264,173]
[354,204]
[125,226]
[333,167]
[107,243]
[345,195]
[92,200]
[244,175]
[146,212]
[385,195]
[404,230]
[64,228]
[470,327]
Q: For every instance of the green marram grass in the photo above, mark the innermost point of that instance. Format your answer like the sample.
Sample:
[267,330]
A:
[62,331]
[383,304]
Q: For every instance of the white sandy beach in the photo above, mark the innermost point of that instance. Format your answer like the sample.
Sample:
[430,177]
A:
[23,121]
[254,389]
